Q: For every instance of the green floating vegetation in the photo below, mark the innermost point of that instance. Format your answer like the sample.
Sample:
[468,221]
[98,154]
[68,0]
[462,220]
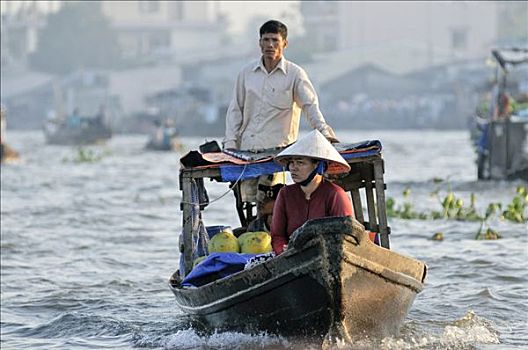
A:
[452,207]
[85,155]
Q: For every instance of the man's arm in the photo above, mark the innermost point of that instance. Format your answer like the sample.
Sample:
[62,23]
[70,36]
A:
[234,114]
[306,97]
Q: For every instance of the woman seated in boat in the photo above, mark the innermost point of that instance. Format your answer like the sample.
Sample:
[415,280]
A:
[311,196]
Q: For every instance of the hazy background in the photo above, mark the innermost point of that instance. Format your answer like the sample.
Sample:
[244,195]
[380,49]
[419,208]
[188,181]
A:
[375,64]
[90,235]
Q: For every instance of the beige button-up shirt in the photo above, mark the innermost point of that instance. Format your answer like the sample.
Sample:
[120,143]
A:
[266,107]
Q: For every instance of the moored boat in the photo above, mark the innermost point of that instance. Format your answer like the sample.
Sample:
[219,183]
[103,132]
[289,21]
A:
[331,282]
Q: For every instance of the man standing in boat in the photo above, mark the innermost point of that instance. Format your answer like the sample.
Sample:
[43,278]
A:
[268,99]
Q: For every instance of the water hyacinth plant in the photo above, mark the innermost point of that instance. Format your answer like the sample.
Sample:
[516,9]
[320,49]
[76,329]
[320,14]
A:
[452,207]
[85,155]
[516,210]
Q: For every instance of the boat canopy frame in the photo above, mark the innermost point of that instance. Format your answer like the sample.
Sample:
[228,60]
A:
[365,176]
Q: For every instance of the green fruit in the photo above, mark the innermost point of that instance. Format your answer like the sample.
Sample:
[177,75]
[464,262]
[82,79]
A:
[198,260]
[223,242]
[255,242]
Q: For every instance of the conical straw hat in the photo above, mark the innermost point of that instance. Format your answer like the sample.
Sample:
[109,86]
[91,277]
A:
[315,145]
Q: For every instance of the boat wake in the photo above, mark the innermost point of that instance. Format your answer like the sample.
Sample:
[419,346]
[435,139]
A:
[468,332]
[191,339]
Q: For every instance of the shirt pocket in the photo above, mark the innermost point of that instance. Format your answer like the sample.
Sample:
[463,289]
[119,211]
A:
[281,99]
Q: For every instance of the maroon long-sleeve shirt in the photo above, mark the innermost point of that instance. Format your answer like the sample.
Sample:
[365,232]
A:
[292,209]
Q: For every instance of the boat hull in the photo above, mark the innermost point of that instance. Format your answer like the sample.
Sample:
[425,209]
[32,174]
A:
[78,136]
[153,145]
[7,154]
[331,282]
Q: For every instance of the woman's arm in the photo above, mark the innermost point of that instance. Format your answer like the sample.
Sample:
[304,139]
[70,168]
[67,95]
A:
[340,204]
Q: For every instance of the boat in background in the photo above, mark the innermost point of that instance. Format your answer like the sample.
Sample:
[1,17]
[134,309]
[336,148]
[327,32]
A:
[84,132]
[164,137]
[83,109]
[331,283]
[501,123]
[7,154]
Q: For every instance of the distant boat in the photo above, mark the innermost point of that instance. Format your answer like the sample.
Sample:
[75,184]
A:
[500,131]
[172,144]
[83,109]
[7,154]
[165,138]
[88,132]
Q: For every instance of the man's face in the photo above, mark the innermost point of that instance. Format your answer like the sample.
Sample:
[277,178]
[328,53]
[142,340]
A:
[272,45]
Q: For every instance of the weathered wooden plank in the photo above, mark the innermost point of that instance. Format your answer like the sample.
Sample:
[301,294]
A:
[371,205]
[201,173]
[351,181]
[358,208]
[186,184]
[380,200]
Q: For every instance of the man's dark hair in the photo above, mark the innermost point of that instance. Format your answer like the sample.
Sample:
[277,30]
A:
[274,27]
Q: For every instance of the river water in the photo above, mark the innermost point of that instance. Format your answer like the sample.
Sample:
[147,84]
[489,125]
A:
[87,249]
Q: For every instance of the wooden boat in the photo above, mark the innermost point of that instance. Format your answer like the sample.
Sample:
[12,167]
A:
[7,154]
[501,135]
[506,157]
[171,143]
[152,145]
[164,137]
[331,283]
[86,134]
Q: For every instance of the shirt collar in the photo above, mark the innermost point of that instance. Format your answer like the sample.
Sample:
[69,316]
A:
[281,65]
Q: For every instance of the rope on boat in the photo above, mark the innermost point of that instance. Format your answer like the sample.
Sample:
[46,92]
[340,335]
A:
[223,195]
[197,223]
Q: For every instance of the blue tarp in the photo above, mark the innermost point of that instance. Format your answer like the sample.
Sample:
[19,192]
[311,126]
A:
[483,140]
[248,171]
[216,266]
[360,154]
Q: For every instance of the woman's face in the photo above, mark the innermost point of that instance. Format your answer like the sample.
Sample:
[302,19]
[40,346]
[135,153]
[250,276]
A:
[300,168]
